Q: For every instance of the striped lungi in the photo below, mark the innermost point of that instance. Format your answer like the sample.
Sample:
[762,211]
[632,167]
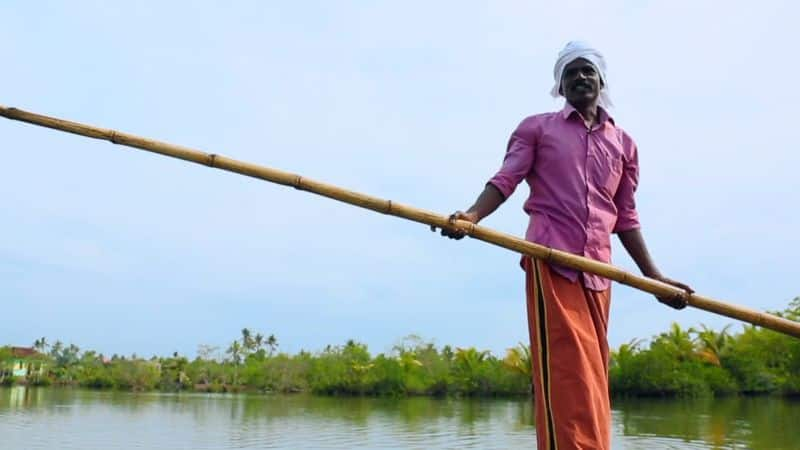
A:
[568,323]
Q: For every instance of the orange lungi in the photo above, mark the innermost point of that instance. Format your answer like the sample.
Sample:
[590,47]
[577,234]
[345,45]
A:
[567,324]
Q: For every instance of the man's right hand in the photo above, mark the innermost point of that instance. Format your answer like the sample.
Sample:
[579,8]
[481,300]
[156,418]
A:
[455,233]
[484,205]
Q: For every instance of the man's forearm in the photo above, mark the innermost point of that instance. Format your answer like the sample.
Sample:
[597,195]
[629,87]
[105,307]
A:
[487,202]
[633,242]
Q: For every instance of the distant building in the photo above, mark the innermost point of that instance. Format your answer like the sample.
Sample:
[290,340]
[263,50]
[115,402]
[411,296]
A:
[25,362]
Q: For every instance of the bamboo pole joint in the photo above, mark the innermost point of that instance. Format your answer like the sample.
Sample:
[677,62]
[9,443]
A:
[506,241]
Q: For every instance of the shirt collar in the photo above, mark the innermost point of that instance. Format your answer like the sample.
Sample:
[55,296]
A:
[602,114]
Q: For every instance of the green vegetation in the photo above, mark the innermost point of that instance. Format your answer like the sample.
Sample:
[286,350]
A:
[677,362]
[703,361]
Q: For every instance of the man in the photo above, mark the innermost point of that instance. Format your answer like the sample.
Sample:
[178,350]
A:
[582,170]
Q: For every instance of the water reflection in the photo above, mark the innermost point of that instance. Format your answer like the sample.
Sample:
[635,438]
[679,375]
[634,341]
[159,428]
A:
[39,418]
[731,422]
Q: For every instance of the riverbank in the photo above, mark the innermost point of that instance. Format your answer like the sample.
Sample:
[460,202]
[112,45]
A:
[677,362]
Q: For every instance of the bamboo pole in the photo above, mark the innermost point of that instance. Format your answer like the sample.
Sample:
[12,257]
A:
[417,215]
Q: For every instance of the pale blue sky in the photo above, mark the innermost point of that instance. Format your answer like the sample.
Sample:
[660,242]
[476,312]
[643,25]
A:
[124,251]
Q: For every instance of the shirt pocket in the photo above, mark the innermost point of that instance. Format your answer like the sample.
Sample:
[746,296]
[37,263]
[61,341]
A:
[608,173]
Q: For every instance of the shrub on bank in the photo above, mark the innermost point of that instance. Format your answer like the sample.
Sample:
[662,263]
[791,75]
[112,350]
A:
[677,362]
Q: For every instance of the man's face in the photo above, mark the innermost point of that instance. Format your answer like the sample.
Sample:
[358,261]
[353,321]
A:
[580,83]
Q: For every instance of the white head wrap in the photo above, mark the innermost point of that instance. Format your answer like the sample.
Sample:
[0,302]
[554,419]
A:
[579,49]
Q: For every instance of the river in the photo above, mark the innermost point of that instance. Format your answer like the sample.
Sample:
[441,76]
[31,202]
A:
[53,418]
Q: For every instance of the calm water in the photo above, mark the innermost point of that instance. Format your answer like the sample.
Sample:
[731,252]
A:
[75,419]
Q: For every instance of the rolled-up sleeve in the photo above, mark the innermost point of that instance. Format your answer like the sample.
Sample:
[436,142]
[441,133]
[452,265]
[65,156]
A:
[517,163]
[627,217]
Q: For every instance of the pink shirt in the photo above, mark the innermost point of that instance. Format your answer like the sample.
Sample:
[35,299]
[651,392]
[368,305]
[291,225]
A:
[582,184]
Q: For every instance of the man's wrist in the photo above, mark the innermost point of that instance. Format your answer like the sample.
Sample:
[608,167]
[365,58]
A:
[652,273]
[473,211]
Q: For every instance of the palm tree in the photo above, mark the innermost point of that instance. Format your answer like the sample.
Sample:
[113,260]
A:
[466,368]
[518,359]
[710,344]
[40,345]
[470,358]
[235,350]
[247,339]
[73,350]
[678,341]
[447,353]
[56,348]
[792,312]
[272,343]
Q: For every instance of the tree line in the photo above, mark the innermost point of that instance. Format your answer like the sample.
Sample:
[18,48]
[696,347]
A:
[698,361]
[693,361]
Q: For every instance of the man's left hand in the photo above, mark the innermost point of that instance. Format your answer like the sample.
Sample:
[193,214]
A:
[677,301]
